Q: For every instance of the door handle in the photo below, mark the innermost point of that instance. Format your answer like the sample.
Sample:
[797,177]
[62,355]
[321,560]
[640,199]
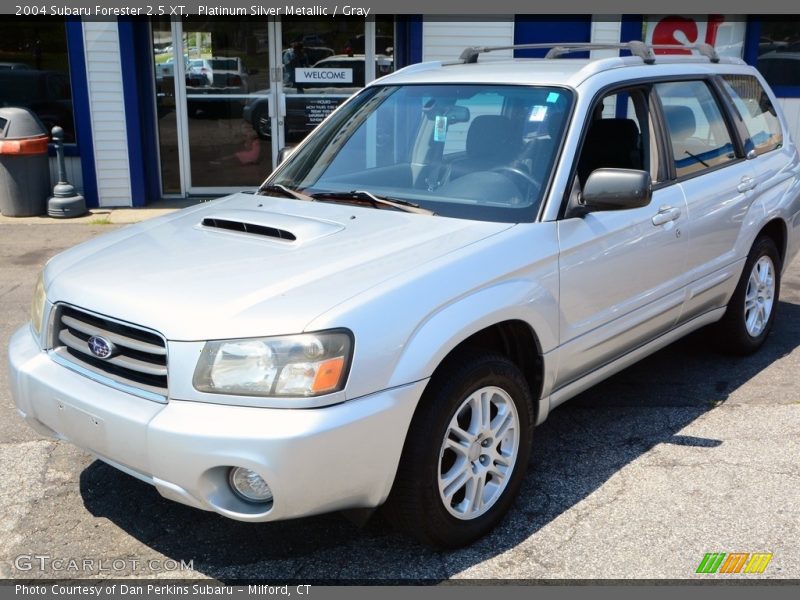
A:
[746,184]
[665,215]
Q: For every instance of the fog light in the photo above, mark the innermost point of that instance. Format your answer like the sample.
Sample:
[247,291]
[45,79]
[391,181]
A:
[249,485]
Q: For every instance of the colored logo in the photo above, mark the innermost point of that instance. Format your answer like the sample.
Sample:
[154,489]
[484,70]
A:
[735,562]
[100,347]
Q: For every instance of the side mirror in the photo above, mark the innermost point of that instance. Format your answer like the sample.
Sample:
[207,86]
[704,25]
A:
[616,189]
[284,153]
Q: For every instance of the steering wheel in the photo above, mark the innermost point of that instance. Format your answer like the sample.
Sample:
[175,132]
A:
[520,176]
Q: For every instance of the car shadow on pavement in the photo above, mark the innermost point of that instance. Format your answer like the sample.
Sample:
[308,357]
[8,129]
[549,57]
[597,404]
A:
[581,445]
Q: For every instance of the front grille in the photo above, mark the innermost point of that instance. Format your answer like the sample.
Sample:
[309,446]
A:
[139,359]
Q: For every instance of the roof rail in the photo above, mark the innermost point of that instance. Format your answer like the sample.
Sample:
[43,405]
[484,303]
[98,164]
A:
[555,49]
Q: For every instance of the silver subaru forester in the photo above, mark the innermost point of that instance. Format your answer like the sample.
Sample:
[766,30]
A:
[455,251]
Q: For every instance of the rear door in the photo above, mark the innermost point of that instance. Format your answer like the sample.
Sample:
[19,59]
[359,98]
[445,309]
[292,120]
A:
[707,160]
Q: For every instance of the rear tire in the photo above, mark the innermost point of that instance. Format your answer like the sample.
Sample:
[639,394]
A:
[751,310]
[466,452]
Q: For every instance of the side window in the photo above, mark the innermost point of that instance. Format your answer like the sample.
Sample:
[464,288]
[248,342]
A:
[699,136]
[620,136]
[757,112]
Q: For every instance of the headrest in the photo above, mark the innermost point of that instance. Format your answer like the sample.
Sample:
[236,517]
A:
[620,131]
[490,136]
[680,121]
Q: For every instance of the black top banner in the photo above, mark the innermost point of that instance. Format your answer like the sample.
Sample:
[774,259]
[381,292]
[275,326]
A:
[370,8]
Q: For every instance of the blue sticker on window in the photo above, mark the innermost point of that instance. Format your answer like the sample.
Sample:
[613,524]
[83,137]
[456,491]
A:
[552,97]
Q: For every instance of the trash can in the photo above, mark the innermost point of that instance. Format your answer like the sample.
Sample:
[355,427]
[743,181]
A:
[24,166]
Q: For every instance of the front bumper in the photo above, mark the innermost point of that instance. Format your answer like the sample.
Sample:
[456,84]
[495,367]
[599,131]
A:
[314,460]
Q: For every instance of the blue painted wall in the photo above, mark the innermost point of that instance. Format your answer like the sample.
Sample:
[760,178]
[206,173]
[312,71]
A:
[138,93]
[539,29]
[80,109]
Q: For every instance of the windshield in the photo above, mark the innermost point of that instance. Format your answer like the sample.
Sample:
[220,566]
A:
[469,151]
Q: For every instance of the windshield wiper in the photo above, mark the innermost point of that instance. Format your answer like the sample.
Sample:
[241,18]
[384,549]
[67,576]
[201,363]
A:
[395,203]
[697,158]
[285,191]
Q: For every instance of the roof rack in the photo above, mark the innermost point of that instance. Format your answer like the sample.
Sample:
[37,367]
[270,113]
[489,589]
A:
[555,49]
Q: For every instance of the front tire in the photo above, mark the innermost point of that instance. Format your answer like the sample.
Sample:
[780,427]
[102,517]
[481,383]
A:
[466,452]
[751,310]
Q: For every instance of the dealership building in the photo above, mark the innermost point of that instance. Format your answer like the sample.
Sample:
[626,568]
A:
[162,107]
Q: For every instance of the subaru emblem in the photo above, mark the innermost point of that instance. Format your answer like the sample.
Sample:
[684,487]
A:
[100,347]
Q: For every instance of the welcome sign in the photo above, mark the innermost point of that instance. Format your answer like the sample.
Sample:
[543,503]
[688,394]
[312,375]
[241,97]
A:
[312,75]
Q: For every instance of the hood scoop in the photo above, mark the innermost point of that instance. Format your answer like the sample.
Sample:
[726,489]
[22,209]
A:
[253,228]
[272,226]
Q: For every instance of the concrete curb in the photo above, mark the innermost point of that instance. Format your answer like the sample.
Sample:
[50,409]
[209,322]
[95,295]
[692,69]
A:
[109,216]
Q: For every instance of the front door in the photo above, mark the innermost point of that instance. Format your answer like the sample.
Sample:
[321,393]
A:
[621,271]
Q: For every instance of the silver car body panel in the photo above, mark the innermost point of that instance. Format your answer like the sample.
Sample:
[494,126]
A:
[291,449]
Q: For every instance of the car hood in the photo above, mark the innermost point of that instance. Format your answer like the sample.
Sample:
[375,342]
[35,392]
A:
[189,277]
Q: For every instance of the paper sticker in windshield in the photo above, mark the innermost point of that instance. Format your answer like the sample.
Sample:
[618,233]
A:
[440,129]
[552,97]
[538,113]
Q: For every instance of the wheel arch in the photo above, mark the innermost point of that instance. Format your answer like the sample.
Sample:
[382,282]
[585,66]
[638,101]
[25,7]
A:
[519,325]
[776,230]
[514,339]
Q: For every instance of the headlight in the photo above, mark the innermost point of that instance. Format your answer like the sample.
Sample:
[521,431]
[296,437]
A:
[37,305]
[310,364]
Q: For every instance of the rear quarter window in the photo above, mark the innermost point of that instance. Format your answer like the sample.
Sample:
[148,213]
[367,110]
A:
[756,111]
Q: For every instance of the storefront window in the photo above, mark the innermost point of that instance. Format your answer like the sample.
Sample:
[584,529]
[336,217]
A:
[779,53]
[34,70]
[231,93]
[324,63]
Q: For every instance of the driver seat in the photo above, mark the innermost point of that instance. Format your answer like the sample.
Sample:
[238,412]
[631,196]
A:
[491,142]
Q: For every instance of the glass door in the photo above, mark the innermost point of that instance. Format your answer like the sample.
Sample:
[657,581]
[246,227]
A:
[232,92]
[227,93]
[323,62]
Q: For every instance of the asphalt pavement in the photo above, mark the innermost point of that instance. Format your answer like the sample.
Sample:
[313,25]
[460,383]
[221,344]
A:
[686,453]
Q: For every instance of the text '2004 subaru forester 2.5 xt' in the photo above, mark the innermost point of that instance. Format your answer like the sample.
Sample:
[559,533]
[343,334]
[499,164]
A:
[454,252]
